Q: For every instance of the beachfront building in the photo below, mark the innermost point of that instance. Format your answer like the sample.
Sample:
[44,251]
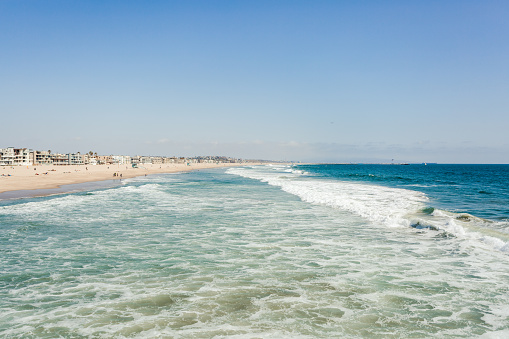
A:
[41,158]
[60,159]
[156,160]
[75,159]
[22,157]
[170,160]
[104,159]
[11,156]
[7,156]
[85,159]
[136,159]
[145,160]
[121,159]
[47,158]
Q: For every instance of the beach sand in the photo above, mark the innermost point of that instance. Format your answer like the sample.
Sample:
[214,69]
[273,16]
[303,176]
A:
[50,176]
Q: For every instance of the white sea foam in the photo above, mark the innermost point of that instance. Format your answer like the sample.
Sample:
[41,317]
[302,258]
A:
[388,206]
[391,207]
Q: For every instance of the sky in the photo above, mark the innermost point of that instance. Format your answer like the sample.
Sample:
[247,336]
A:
[311,81]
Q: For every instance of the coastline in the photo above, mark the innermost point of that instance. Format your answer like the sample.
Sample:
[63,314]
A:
[63,189]
[40,180]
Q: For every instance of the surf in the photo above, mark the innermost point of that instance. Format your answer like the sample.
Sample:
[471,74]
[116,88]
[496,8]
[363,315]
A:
[381,205]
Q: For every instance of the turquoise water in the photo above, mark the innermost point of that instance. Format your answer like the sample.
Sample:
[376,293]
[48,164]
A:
[262,252]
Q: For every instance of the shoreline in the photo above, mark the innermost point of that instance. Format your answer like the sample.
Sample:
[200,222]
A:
[30,181]
[63,189]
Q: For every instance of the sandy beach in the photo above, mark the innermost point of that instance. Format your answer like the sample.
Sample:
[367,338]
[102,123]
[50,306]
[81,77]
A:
[14,178]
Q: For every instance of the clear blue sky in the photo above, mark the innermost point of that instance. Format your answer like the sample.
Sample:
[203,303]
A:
[334,81]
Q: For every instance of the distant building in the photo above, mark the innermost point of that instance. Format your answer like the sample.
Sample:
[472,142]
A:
[60,159]
[11,156]
[121,159]
[104,159]
[156,160]
[136,159]
[42,158]
[146,160]
[75,159]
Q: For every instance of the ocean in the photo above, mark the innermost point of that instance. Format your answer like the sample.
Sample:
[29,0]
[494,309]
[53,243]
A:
[276,251]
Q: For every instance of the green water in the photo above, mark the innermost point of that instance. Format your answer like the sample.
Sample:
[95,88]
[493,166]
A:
[213,254]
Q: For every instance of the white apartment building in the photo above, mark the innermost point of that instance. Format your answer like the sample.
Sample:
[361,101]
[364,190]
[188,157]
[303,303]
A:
[121,159]
[75,159]
[11,156]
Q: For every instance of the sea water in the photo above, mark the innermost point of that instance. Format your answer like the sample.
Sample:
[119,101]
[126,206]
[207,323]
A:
[310,251]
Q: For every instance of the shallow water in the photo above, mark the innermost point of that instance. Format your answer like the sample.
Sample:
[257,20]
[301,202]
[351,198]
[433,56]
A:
[260,252]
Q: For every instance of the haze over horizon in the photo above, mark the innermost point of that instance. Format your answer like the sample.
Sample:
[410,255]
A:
[311,81]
